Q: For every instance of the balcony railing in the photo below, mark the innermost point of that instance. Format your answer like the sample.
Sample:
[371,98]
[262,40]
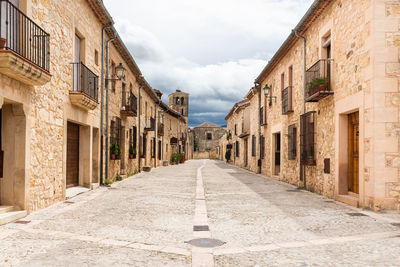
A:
[23,36]
[129,104]
[85,81]
[318,81]
[287,100]
[151,126]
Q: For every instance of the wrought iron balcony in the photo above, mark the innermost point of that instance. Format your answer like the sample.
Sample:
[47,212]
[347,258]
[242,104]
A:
[129,105]
[24,47]
[151,126]
[287,105]
[85,87]
[318,81]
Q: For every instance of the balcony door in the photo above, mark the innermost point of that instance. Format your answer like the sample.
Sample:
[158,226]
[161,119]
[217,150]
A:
[77,60]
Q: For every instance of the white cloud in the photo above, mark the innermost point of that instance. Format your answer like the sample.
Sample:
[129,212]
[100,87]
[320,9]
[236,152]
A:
[211,49]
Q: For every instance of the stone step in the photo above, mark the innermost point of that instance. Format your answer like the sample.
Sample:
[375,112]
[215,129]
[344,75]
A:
[12,216]
[4,209]
[348,199]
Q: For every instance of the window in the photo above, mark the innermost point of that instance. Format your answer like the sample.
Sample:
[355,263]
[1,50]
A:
[237,148]
[253,145]
[144,145]
[235,129]
[159,150]
[113,83]
[153,148]
[292,142]
[209,136]
[177,101]
[307,138]
[116,132]
[282,81]
[262,145]
[182,100]
[182,112]
[96,57]
[287,102]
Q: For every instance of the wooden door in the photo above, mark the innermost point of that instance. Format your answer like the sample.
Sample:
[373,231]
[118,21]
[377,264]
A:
[353,146]
[72,154]
[277,153]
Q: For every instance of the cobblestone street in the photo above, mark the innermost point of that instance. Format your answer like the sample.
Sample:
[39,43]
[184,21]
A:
[148,219]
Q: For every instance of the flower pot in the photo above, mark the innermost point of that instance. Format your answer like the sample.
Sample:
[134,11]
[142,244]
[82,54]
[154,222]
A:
[3,43]
[112,156]
[323,87]
[131,156]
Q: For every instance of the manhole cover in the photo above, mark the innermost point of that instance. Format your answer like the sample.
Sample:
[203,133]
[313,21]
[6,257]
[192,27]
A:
[205,242]
[355,214]
[22,222]
[201,228]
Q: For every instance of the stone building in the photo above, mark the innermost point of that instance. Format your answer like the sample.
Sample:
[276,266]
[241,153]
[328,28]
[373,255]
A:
[206,140]
[50,104]
[332,129]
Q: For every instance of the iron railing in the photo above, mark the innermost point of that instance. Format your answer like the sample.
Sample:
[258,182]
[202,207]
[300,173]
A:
[129,103]
[21,35]
[318,78]
[85,81]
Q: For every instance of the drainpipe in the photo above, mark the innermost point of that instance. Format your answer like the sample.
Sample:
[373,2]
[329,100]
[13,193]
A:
[302,168]
[139,136]
[258,88]
[155,136]
[107,97]
[102,102]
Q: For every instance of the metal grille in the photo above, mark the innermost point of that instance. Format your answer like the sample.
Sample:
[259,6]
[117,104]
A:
[287,100]
[262,145]
[318,78]
[307,138]
[237,149]
[292,142]
[253,145]
[23,36]
[85,81]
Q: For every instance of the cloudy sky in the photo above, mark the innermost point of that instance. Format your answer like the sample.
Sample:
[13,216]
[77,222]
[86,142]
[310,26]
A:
[212,49]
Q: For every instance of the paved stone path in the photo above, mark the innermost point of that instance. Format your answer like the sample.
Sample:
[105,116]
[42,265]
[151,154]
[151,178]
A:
[147,220]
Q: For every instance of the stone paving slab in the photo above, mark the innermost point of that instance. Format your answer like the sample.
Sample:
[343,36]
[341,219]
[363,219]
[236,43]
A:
[145,221]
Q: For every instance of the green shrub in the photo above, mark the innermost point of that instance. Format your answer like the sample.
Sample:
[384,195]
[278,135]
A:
[114,149]
[118,178]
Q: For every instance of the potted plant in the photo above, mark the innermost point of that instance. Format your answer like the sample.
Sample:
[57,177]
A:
[183,158]
[228,155]
[3,42]
[131,152]
[119,152]
[114,149]
[179,158]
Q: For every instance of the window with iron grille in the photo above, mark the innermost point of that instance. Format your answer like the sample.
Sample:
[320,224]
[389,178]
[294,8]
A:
[253,145]
[287,100]
[237,148]
[235,129]
[262,115]
[209,136]
[153,147]
[144,145]
[262,145]
[134,136]
[113,82]
[292,142]
[159,150]
[115,132]
[307,138]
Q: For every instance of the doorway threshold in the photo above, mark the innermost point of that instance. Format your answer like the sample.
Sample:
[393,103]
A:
[74,191]
[351,200]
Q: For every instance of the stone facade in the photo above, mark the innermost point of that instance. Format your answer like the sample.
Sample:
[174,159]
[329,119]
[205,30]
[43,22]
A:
[206,140]
[40,109]
[360,38]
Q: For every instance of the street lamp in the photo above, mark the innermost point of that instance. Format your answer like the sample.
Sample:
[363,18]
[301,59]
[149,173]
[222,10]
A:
[267,93]
[120,71]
